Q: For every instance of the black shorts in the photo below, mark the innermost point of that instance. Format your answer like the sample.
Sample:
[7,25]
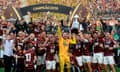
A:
[75,30]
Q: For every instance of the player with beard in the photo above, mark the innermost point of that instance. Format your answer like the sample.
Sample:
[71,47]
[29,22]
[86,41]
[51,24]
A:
[86,52]
[40,51]
[50,54]
[64,56]
[98,53]
[109,46]
[30,59]
[77,52]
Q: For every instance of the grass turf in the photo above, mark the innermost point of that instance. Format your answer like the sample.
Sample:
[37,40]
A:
[117,69]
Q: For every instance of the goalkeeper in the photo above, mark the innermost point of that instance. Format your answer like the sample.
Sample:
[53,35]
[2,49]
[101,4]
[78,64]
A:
[64,56]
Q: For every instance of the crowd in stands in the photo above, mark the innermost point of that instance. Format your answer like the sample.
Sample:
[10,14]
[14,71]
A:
[108,6]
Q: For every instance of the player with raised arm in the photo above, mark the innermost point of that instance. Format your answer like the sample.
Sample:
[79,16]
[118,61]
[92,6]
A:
[64,41]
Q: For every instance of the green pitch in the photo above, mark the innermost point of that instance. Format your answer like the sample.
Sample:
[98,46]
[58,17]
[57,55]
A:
[117,69]
[1,69]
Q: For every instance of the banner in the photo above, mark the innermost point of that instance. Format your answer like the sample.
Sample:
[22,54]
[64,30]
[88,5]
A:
[9,14]
[45,8]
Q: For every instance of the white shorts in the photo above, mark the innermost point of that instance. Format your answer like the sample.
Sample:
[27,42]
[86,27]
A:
[1,53]
[41,59]
[109,60]
[50,65]
[98,58]
[86,59]
[79,60]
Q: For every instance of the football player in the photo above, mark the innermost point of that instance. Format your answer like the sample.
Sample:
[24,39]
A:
[64,56]
[41,51]
[20,58]
[98,52]
[109,45]
[30,59]
[77,52]
[86,52]
[50,54]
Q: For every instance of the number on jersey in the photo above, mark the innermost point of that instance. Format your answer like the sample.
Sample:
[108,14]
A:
[28,57]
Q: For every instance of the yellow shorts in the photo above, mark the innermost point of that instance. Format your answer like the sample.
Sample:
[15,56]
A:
[64,58]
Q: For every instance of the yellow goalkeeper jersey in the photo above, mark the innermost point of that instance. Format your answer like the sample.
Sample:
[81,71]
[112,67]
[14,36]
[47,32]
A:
[64,45]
